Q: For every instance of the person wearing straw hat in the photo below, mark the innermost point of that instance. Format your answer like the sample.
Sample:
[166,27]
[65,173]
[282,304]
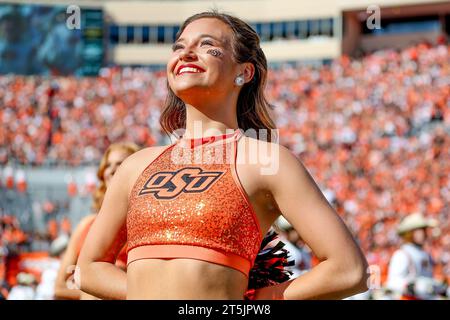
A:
[25,288]
[410,273]
[46,288]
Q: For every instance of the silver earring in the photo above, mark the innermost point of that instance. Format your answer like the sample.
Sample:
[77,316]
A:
[239,80]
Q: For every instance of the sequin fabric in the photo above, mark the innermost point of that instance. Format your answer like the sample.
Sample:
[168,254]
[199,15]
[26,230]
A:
[188,196]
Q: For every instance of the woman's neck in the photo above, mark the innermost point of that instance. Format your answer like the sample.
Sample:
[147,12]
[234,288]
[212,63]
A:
[215,121]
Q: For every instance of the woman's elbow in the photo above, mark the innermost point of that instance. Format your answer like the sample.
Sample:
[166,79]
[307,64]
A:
[358,276]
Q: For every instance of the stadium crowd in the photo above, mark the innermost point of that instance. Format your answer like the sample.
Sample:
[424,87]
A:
[16,242]
[373,132]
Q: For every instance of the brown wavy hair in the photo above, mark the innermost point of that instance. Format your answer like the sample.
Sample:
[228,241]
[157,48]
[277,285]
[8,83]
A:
[252,105]
[101,189]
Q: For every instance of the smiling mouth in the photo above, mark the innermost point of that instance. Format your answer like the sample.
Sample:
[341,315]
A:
[189,70]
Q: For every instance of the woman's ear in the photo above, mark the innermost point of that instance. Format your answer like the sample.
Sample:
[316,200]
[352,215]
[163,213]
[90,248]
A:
[249,71]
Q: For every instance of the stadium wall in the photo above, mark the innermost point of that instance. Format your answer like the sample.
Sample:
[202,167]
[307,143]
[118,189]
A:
[418,21]
[130,15]
[49,184]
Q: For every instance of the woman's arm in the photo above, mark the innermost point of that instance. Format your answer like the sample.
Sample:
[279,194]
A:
[69,260]
[342,271]
[96,272]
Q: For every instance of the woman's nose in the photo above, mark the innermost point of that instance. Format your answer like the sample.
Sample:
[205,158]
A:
[187,55]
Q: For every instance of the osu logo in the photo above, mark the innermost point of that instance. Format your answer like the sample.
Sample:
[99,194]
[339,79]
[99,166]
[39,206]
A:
[169,184]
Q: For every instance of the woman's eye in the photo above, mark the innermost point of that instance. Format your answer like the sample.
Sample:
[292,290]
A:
[207,42]
[176,47]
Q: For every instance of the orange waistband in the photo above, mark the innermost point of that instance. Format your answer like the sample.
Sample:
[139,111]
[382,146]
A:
[189,251]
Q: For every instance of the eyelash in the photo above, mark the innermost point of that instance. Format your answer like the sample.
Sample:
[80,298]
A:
[207,42]
[178,46]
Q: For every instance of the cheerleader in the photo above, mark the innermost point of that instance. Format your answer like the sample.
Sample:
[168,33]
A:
[197,210]
[65,286]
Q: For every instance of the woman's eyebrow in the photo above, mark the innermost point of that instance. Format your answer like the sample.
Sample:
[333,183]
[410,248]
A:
[204,36]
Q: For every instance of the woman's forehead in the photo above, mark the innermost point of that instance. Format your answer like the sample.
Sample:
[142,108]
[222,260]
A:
[117,153]
[207,27]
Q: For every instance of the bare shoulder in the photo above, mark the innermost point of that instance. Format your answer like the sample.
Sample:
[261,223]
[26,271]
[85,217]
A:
[270,158]
[81,226]
[143,156]
[85,221]
[266,147]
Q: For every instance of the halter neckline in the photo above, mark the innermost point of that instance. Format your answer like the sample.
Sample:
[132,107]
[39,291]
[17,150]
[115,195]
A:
[196,142]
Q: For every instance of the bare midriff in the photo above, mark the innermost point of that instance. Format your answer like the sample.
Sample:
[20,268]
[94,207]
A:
[183,279]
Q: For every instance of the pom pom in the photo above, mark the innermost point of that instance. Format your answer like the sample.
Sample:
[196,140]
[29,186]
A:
[270,265]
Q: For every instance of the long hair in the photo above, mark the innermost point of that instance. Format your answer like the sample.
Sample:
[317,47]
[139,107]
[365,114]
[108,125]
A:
[101,189]
[252,105]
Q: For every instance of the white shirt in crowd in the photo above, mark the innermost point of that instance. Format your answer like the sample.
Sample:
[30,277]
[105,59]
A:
[45,290]
[411,264]
[21,292]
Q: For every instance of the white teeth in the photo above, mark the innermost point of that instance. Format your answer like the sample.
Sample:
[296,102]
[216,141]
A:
[189,69]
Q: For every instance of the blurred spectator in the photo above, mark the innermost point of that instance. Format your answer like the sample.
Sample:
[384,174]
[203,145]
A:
[45,289]
[411,267]
[66,226]
[25,288]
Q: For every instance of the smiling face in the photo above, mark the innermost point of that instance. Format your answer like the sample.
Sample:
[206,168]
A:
[202,62]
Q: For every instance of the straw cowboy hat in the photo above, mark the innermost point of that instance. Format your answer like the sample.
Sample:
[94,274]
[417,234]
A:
[415,221]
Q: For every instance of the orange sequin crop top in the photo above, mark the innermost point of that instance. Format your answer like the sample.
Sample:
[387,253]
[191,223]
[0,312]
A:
[189,203]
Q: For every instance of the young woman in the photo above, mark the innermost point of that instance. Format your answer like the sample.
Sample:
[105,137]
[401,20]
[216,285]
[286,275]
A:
[194,227]
[111,160]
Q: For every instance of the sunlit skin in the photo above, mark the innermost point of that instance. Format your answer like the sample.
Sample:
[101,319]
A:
[211,97]
[115,158]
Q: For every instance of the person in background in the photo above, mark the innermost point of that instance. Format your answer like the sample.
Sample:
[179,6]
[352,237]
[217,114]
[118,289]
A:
[46,288]
[410,273]
[64,286]
[3,284]
[25,288]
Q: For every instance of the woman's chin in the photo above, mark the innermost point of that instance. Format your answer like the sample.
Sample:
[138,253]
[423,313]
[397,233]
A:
[189,91]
